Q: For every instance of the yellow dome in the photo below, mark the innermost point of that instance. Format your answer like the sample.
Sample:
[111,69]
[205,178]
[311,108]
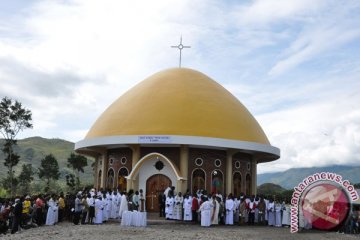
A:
[182,102]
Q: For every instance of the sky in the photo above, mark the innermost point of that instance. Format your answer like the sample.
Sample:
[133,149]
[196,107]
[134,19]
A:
[293,63]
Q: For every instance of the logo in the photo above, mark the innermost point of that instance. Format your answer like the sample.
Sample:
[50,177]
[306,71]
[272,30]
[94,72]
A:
[322,200]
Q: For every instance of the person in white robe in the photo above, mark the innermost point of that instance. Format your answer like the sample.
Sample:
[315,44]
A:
[286,215]
[113,205]
[123,204]
[278,209]
[247,200]
[118,197]
[167,190]
[178,206]
[109,204]
[187,208]
[257,200]
[91,203]
[141,201]
[271,213]
[236,212]
[99,208]
[50,216]
[266,209]
[229,208]
[56,213]
[215,211]
[169,206]
[105,213]
[205,209]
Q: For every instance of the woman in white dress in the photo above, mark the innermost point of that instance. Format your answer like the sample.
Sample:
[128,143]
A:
[50,216]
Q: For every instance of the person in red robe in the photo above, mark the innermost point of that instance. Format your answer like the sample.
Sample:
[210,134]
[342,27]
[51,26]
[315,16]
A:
[194,208]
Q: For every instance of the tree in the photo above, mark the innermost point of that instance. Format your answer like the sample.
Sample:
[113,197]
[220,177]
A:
[13,119]
[25,178]
[49,170]
[77,163]
[70,181]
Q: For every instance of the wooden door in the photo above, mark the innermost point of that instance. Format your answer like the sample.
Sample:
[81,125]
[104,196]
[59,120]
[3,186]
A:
[155,185]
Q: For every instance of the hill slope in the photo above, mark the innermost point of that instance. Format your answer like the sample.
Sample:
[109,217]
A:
[290,178]
[32,150]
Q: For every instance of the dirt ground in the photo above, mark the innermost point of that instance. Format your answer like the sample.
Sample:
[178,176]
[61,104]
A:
[168,230]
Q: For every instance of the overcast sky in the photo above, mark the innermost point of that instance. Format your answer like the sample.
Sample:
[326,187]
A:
[294,64]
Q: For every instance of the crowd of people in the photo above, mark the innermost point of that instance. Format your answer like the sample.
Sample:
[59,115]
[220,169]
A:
[86,207]
[97,207]
[214,209]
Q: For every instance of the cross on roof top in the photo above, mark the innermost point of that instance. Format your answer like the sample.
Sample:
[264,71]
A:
[180,47]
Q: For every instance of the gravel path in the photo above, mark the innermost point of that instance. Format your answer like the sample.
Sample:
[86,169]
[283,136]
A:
[167,230]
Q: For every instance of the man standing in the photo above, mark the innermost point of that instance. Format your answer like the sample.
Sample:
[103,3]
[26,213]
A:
[77,209]
[61,206]
[229,206]
[251,206]
[194,208]
[123,204]
[135,201]
[99,208]
[215,211]
[205,209]
[178,206]
[271,213]
[142,201]
[162,200]
[187,208]
[17,216]
[39,204]
[169,208]
[26,210]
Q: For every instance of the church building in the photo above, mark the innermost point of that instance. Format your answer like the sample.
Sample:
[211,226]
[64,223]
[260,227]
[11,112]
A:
[177,128]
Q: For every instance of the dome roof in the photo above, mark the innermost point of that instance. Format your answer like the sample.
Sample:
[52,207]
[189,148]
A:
[181,102]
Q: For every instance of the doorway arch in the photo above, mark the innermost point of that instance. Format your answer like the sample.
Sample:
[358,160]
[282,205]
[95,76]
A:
[248,184]
[155,187]
[122,174]
[110,179]
[198,178]
[217,182]
[237,184]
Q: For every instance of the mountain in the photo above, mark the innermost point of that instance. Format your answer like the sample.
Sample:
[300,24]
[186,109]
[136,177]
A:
[291,177]
[269,189]
[33,149]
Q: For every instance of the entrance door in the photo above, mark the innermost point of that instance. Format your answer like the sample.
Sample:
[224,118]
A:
[155,185]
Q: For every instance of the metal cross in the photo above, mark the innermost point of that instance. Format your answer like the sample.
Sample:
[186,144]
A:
[180,47]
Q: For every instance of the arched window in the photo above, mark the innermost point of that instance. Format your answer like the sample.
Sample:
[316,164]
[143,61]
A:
[99,180]
[248,184]
[123,172]
[217,182]
[237,184]
[110,179]
[198,180]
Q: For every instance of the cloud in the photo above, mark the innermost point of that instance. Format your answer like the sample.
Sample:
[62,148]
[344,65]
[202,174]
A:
[325,132]
[294,64]
[38,82]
